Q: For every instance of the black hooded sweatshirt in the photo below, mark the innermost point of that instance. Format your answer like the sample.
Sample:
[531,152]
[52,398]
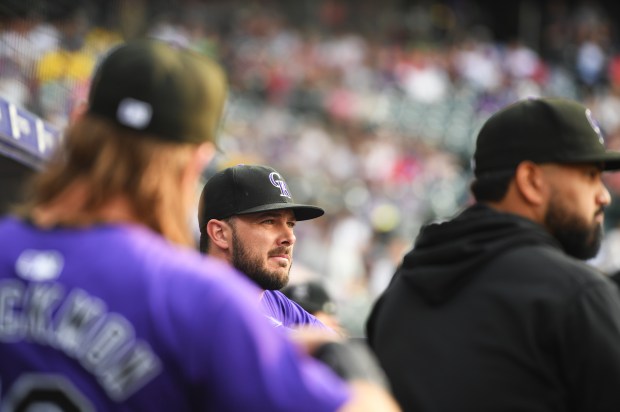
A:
[487,313]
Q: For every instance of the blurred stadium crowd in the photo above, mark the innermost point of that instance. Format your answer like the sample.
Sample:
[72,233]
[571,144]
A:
[372,121]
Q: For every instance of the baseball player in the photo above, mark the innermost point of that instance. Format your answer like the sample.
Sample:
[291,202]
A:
[103,303]
[247,217]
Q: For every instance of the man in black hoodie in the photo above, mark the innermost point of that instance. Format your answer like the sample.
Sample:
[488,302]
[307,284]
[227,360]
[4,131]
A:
[495,310]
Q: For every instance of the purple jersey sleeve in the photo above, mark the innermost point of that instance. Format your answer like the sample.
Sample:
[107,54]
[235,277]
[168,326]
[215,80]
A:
[115,318]
[283,312]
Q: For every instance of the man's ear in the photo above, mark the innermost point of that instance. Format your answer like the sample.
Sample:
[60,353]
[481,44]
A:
[530,183]
[220,234]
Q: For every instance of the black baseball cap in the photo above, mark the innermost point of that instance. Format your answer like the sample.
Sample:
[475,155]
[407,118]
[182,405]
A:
[244,189]
[542,130]
[153,87]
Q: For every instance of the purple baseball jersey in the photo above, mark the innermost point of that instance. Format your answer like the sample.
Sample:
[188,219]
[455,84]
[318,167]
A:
[115,318]
[283,312]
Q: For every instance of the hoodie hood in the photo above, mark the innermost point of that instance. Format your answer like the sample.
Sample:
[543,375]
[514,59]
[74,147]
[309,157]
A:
[447,255]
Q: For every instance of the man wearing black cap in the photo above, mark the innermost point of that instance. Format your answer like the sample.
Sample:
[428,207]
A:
[247,217]
[494,310]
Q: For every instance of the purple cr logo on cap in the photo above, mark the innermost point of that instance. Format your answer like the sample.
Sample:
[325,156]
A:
[280,184]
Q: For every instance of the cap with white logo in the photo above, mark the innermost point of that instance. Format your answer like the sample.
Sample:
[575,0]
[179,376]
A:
[157,89]
[541,130]
[244,189]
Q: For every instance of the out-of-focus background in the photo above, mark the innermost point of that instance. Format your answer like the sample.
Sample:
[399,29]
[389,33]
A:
[369,109]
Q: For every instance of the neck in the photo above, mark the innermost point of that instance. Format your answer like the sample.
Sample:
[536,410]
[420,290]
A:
[518,209]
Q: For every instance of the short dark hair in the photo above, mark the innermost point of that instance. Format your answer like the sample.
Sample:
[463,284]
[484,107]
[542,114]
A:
[204,242]
[491,187]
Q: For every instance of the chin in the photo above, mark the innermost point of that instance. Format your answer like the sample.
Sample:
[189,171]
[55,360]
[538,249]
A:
[283,279]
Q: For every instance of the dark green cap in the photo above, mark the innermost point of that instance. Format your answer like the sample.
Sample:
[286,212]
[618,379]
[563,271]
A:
[155,88]
[244,189]
[541,130]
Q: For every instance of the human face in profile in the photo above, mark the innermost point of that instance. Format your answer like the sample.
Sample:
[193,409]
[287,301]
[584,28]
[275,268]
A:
[575,209]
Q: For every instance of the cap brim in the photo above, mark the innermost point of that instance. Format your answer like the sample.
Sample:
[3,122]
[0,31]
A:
[302,212]
[610,160]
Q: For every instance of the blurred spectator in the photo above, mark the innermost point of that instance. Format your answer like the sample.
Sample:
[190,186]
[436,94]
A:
[313,297]
[63,73]
[24,38]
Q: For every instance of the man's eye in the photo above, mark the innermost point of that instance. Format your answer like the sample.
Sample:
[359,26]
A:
[594,173]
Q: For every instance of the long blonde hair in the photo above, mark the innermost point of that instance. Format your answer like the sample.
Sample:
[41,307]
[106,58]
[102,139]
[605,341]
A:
[112,162]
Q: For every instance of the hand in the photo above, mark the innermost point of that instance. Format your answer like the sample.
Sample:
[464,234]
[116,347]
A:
[309,338]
